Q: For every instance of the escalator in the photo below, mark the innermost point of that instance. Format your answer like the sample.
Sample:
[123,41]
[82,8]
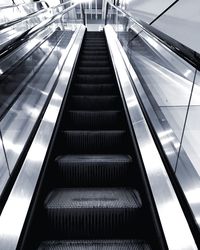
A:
[93,196]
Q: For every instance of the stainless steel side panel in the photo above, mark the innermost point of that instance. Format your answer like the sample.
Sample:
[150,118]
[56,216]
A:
[175,227]
[15,211]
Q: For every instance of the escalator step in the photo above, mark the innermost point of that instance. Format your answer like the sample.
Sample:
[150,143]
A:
[94,52]
[95,120]
[94,89]
[94,70]
[95,245]
[94,41]
[95,33]
[89,78]
[93,213]
[94,57]
[95,44]
[100,142]
[94,37]
[93,102]
[92,48]
[94,63]
[94,170]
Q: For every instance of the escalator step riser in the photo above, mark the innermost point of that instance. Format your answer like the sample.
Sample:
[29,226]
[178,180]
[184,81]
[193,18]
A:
[95,245]
[94,70]
[95,33]
[94,89]
[95,39]
[94,170]
[94,53]
[92,41]
[95,103]
[89,142]
[89,78]
[94,58]
[94,120]
[94,63]
[94,48]
[93,213]
[94,45]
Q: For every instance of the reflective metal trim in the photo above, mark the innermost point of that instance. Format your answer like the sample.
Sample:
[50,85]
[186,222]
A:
[15,211]
[4,170]
[13,58]
[19,121]
[174,224]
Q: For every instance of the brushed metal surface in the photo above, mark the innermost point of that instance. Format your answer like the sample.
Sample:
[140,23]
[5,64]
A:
[15,211]
[175,227]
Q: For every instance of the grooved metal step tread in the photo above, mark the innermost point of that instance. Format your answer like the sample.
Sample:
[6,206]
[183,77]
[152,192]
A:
[94,52]
[103,141]
[92,63]
[94,89]
[95,44]
[94,78]
[95,245]
[94,57]
[96,120]
[93,212]
[93,158]
[94,170]
[94,70]
[92,102]
[91,47]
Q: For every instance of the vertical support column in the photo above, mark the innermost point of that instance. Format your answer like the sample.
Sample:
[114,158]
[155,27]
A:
[96,9]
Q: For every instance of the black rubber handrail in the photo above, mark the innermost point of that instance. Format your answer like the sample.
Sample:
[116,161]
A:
[189,55]
[33,31]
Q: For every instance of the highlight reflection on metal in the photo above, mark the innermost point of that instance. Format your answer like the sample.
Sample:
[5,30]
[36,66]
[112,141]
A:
[24,97]
[4,171]
[19,121]
[17,11]
[16,208]
[176,230]
[10,34]
[18,54]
